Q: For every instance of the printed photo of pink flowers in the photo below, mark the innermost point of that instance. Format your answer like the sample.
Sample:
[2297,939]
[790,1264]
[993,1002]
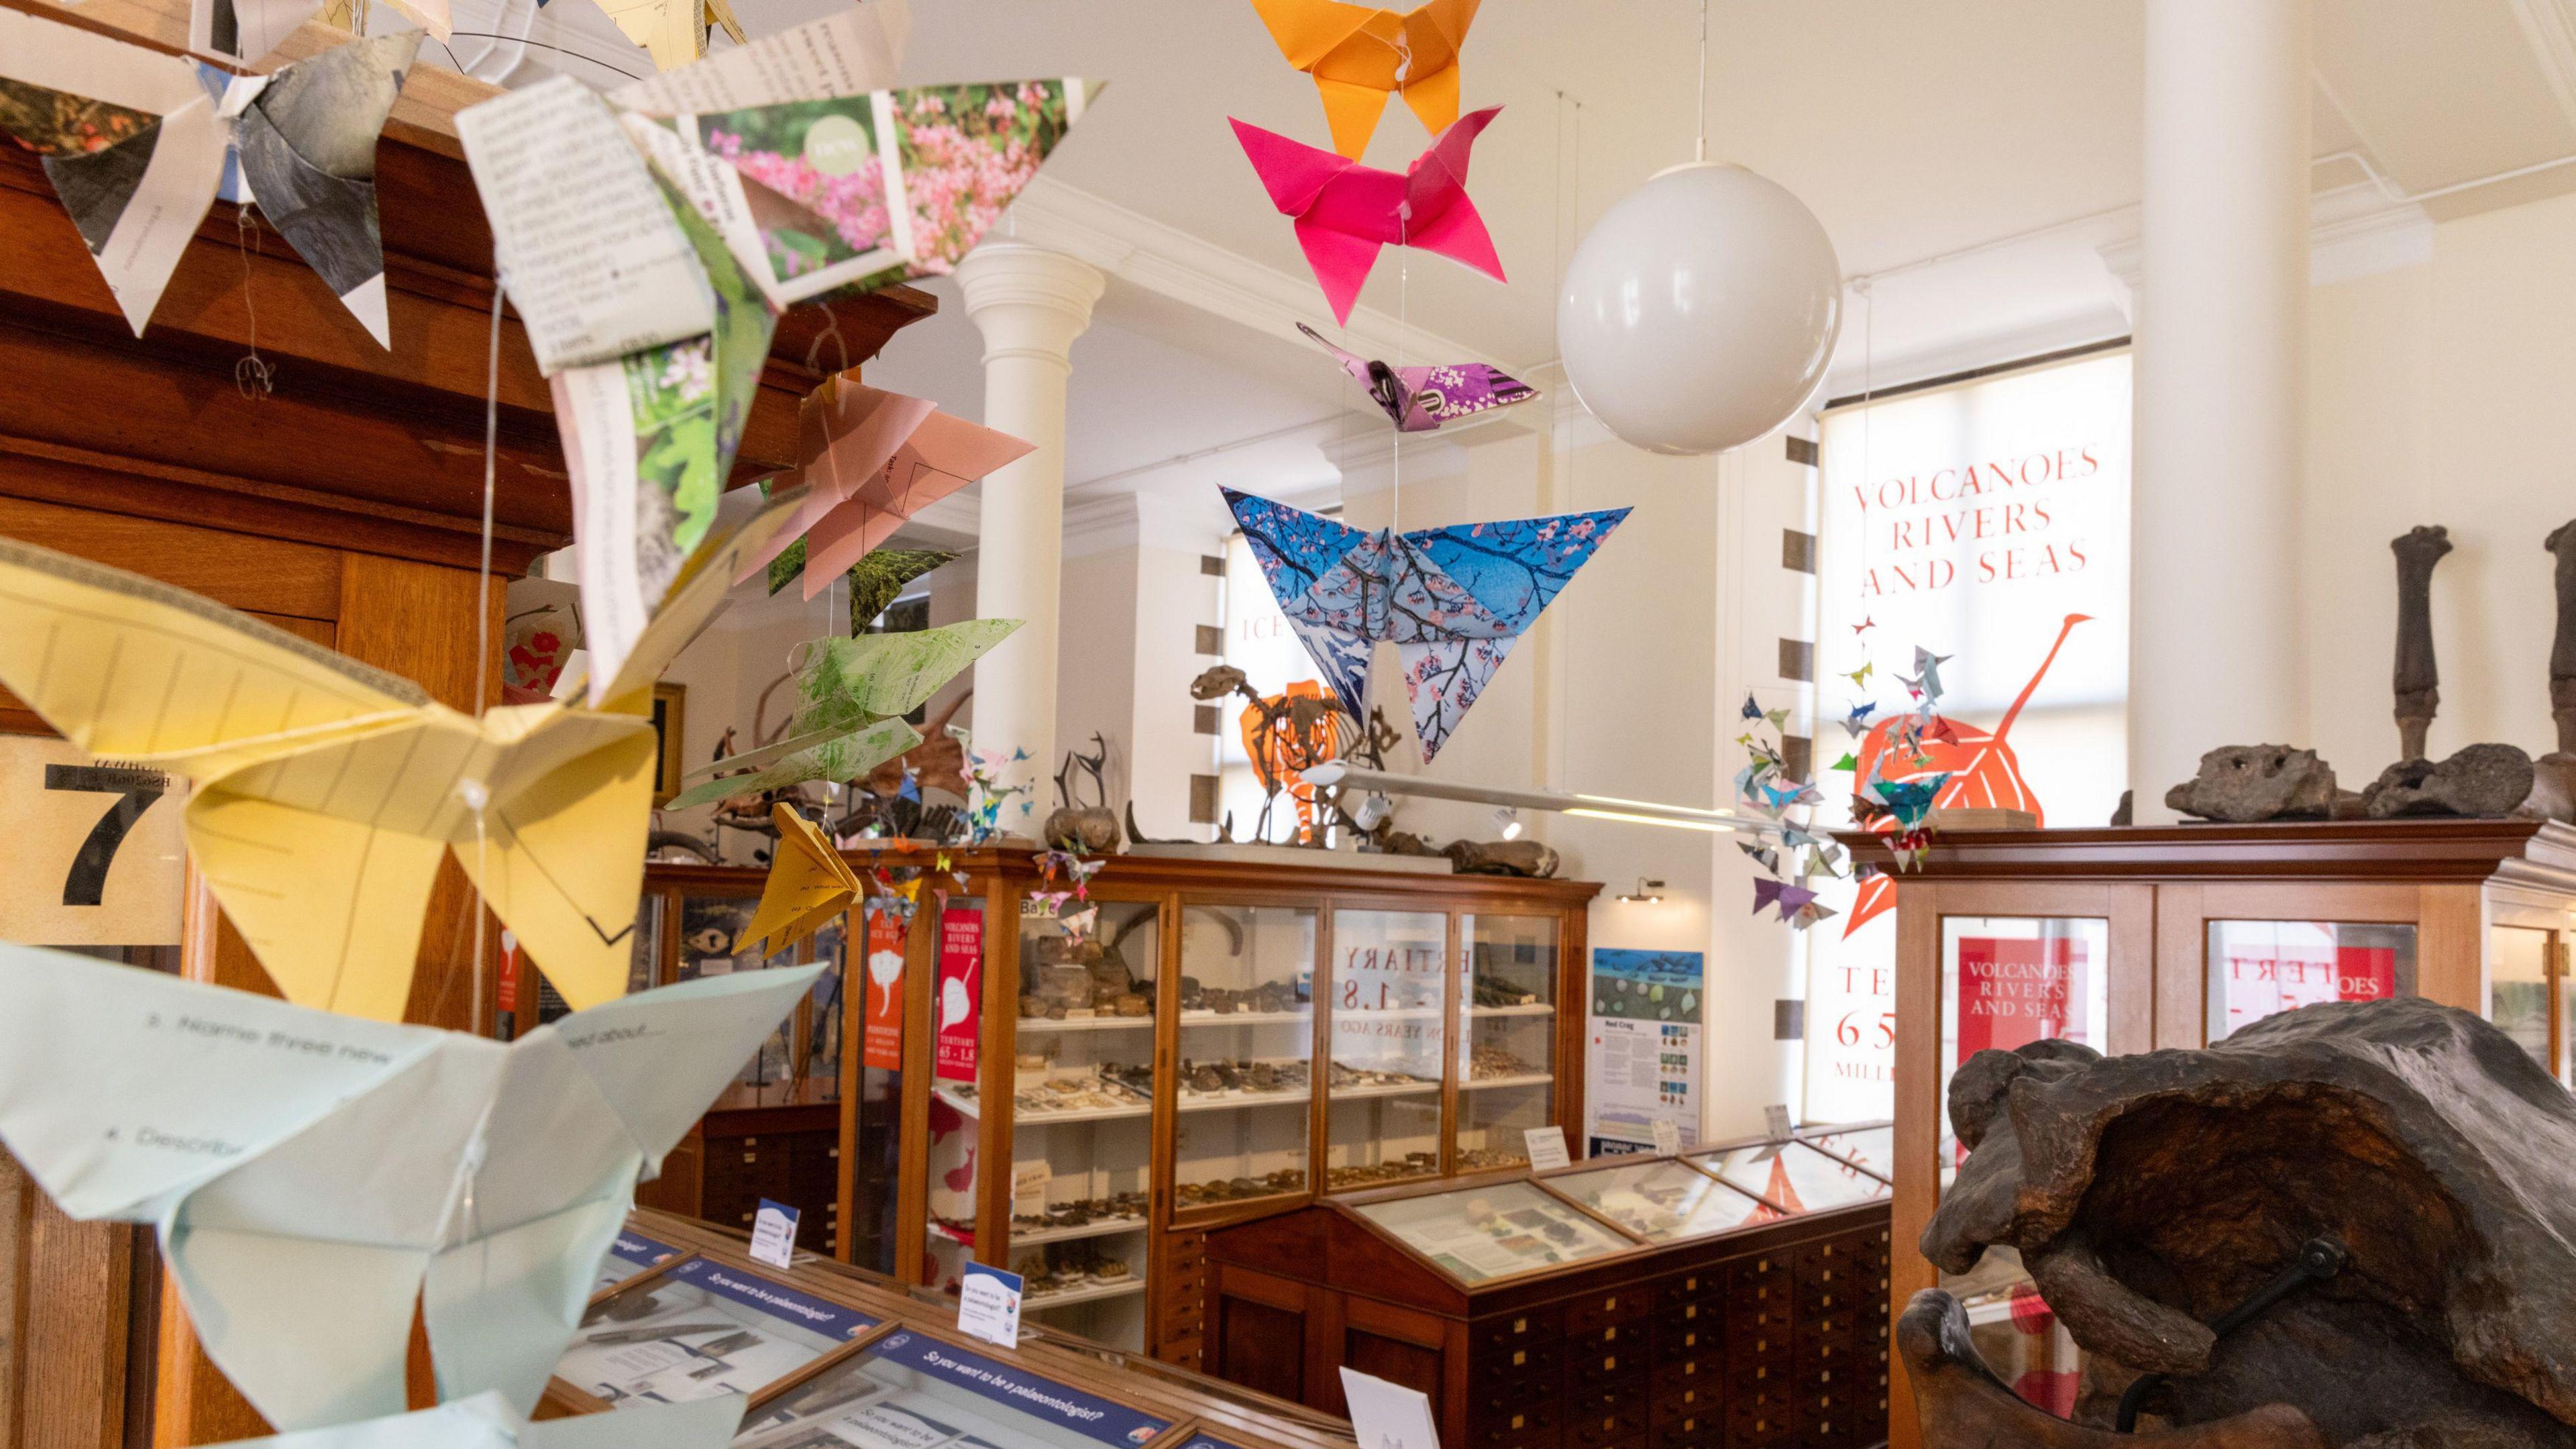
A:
[964,150]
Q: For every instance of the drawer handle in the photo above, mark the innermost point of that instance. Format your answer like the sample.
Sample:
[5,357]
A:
[1519,1357]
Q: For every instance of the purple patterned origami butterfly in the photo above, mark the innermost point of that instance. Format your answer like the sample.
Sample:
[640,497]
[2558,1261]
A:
[1420,399]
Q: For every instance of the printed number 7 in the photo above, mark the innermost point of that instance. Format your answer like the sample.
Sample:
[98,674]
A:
[135,790]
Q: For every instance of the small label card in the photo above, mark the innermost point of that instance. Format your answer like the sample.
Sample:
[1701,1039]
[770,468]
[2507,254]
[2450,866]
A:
[1547,1148]
[773,1234]
[1775,1125]
[1668,1140]
[988,1305]
[1388,1416]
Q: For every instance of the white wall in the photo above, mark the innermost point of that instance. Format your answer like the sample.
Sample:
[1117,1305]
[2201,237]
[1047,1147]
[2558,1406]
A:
[2441,393]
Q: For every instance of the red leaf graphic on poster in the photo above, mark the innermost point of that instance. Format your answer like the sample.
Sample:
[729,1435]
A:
[1779,1190]
[1983,774]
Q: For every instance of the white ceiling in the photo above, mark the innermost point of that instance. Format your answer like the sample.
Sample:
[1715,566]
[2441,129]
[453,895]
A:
[2008,129]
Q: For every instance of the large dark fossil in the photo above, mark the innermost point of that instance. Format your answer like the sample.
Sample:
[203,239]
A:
[2418,678]
[2148,1194]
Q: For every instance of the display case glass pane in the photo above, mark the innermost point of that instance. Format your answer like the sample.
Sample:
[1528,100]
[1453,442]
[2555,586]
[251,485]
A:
[1792,1178]
[911,1391]
[2518,991]
[644,955]
[1660,1199]
[1481,1233]
[711,929]
[877,1172]
[1389,1011]
[1245,1085]
[1507,1061]
[819,1059]
[1082,1129]
[2008,981]
[956,1106]
[700,1329]
[631,1253]
[1871,1146]
[2262,968]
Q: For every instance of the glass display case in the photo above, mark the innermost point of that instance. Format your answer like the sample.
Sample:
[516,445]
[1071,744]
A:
[834,1357]
[1389,1032]
[2008,981]
[908,1390]
[2262,968]
[1793,1177]
[1627,1301]
[1245,1030]
[2132,939]
[1507,1061]
[696,1328]
[2527,996]
[1478,1234]
[1224,1039]
[1662,1199]
[1082,1108]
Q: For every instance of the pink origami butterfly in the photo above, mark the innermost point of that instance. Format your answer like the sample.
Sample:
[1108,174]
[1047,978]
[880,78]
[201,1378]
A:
[1420,399]
[1346,213]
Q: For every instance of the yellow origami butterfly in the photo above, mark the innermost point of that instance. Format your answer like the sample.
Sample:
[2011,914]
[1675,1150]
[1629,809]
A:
[327,791]
[808,885]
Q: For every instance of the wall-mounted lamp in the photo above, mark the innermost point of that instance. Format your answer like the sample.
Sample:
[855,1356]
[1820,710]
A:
[1647,890]
[1508,821]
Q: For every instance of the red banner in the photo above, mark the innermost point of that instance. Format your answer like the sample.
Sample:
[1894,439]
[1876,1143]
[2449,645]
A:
[2014,992]
[961,994]
[881,1008]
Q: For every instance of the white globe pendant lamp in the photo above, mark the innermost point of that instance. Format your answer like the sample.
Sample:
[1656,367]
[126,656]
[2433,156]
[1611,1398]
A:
[1702,309]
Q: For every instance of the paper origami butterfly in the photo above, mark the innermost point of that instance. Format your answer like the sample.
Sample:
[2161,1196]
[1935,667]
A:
[315,1176]
[1346,213]
[871,460]
[1452,600]
[328,791]
[1358,55]
[139,147]
[808,885]
[1420,399]
[853,694]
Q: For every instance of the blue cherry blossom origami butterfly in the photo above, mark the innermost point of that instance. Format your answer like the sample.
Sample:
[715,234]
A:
[1451,600]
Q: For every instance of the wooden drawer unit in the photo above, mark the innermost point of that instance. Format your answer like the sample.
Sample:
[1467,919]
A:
[1599,1310]
[1526,1426]
[1659,1344]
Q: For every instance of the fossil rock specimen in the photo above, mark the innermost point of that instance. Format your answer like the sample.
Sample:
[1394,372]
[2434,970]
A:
[2146,1194]
[2483,781]
[2245,783]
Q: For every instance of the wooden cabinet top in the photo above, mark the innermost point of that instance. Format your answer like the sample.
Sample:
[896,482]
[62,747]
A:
[2530,852]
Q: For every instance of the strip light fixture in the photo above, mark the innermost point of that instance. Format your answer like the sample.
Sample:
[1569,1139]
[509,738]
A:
[1343,774]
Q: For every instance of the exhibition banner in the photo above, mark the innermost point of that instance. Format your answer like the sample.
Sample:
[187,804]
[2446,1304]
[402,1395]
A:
[881,1040]
[961,993]
[1974,521]
[1643,1067]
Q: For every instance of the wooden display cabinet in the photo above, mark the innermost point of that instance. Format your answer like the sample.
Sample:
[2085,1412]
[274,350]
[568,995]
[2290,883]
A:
[829,1354]
[1095,1145]
[2138,938]
[775,1131]
[1722,1298]
[345,507]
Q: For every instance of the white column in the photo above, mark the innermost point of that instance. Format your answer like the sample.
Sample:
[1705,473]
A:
[2214,639]
[1030,304]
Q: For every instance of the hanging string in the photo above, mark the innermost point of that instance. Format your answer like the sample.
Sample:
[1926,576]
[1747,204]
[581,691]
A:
[1701,119]
[475,794]
[840,344]
[252,375]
